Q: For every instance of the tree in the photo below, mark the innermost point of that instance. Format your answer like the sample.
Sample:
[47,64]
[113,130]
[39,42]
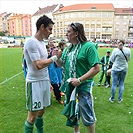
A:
[1,33]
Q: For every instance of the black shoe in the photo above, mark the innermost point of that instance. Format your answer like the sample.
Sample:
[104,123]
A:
[99,84]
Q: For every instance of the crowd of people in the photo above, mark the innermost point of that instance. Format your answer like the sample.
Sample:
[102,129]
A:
[68,70]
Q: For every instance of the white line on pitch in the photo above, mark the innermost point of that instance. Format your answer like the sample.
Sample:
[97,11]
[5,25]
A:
[10,78]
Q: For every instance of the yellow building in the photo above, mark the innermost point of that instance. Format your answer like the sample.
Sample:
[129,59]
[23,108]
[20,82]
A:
[19,25]
[98,20]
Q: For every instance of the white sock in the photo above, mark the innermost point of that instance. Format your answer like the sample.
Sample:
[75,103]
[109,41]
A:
[77,132]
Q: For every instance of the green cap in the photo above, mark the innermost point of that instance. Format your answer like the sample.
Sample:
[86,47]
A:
[108,51]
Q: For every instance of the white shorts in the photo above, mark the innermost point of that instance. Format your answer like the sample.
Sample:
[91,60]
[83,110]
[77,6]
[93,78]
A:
[37,95]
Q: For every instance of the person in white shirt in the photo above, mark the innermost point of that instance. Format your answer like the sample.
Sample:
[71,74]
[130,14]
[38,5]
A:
[119,57]
[37,79]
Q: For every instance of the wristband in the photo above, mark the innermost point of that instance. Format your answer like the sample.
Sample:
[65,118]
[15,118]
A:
[54,58]
[79,80]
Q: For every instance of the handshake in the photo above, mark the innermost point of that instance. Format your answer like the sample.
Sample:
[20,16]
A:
[56,54]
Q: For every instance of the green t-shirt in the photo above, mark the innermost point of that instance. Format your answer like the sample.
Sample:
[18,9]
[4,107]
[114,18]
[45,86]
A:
[96,45]
[86,59]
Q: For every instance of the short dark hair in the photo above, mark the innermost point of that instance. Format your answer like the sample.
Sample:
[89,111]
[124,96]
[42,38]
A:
[78,27]
[43,20]
[122,41]
[61,44]
[94,39]
[47,46]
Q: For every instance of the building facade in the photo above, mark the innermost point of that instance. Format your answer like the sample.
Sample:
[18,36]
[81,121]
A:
[123,23]
[47,11]
[102,21]
[98,20]
[1,21]
[19,25]
[5,23]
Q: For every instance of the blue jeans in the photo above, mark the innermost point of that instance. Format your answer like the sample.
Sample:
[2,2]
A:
[85,101]
[118,76]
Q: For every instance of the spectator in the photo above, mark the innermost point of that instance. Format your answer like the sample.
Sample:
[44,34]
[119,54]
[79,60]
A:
[104,62]
[120,57]
[95,43]
[51,45]
[24,65]
[62,45]
[54,79]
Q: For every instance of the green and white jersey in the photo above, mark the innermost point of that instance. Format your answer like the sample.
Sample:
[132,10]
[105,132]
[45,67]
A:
[86,59]
[96,45]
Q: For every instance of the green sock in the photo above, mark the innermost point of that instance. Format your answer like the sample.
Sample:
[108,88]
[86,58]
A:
[39,124]
[28,127]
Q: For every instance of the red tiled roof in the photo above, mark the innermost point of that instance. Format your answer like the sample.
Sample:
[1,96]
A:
[87,7]
[2,13]
[45,10]
[123,10]
[7,15]
[19,16]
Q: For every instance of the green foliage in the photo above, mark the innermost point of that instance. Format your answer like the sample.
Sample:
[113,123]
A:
[2,34]
[111,117]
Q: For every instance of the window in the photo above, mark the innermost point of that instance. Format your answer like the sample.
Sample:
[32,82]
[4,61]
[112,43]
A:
[58,17]
[93,8]
[124,35]
[66,16]
[110,14]
[67,23]
[104,29]
[98,36]
[81,14]
[73,15]
[104,22]
[110,29]
[110,22]
[80,22]
[87,29]
[125,23]
[98,21]
[62,16]
[117,29]
[124,16]
[93,22]
[131,22]
[87,15]
[87,22]
[130,29]
[96,14]
[132,17]
[117,16]
[60,23]
[98,29]
[117,23]
[104,14]
[92,29]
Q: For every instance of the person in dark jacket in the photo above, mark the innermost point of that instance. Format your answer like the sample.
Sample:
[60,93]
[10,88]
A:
[105,65]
